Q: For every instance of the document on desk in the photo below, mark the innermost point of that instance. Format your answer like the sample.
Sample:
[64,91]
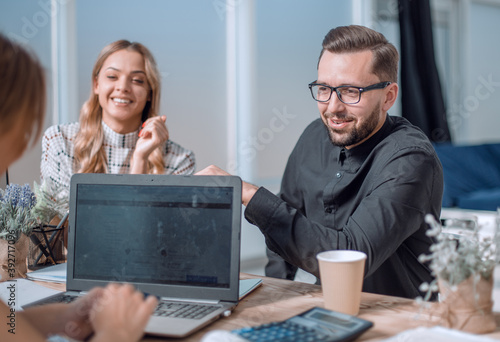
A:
[248,285]
[55,274]
[437,334]
[22,291]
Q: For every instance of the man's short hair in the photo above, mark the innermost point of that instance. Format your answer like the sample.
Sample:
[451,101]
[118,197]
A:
[354,38]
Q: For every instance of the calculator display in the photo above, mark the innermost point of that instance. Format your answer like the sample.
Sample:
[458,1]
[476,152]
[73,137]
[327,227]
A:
[339,322]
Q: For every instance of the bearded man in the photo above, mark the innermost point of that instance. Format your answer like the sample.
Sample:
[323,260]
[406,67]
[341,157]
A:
[358,178]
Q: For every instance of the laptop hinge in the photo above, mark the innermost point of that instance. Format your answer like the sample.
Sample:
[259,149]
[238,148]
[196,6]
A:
[190,300]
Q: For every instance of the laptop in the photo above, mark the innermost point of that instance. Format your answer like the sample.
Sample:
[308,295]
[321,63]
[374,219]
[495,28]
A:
[176,237]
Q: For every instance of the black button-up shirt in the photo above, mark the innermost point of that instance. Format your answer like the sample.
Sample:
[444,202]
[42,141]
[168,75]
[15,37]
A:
[371,198]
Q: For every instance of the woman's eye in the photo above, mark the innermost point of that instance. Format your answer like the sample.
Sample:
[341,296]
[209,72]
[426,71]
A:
[111,77]
[137,80]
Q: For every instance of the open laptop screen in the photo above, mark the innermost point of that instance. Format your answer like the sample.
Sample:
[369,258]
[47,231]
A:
[180,235]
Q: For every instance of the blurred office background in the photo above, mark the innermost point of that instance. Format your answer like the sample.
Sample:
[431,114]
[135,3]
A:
[235,72]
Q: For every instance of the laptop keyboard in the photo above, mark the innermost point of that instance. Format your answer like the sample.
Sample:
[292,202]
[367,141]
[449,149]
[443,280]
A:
[65,298]
[164,308]
[183,310]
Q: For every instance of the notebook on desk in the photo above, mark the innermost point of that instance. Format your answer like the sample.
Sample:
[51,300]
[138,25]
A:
[177,237]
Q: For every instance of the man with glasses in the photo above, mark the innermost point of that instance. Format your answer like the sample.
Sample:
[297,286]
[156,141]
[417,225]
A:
[358,178]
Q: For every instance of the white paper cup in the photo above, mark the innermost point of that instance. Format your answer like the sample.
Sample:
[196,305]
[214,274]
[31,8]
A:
[341,273]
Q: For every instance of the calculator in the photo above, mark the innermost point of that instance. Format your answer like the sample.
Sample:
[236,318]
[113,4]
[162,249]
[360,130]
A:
[316,324]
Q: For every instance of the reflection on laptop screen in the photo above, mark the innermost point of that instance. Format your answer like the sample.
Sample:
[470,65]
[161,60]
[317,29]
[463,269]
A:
[180,235]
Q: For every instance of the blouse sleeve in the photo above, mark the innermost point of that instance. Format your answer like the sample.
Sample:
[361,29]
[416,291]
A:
[178,160]
[56,164]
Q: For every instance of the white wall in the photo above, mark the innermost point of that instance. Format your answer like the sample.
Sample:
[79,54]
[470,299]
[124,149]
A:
[28,22]
[479,105]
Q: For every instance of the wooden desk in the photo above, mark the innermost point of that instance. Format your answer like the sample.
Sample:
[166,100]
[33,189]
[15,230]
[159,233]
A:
[279,299]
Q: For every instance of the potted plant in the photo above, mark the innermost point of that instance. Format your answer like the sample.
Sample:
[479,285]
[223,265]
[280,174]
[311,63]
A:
[463,267]
[52,201]
[51,210]
[16,224]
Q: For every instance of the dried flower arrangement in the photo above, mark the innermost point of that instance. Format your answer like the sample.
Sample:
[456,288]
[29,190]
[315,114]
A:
[16,211]
[52,200]
[463,267]
[456,258]
[22,212]
[22,209]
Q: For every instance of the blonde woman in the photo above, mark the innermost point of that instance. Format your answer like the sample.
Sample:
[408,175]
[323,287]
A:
[120,130]
[114,313]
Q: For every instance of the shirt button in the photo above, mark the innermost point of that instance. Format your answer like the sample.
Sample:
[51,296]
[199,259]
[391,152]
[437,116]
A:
[338,175]
[328,210]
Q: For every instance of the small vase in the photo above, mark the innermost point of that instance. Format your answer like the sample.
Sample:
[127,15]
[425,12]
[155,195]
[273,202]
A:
[468,306]
[13,258]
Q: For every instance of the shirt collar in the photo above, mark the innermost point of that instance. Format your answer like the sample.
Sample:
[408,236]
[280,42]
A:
[114,139]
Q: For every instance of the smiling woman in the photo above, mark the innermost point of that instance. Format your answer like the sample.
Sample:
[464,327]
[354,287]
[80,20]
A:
[120,130]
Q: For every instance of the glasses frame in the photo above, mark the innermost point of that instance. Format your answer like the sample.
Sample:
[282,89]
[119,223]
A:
[380,85]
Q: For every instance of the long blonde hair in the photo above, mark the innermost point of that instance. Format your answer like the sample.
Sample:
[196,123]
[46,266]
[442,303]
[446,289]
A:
[90,156]
[22,92]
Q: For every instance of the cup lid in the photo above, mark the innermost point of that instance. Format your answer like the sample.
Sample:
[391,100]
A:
[341,256]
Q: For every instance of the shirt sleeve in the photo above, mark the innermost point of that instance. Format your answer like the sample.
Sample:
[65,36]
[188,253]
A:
[384,218]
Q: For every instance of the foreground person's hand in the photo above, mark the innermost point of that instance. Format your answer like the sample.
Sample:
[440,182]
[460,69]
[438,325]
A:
[121,314]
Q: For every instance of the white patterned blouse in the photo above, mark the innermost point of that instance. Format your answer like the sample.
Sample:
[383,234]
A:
[57,164]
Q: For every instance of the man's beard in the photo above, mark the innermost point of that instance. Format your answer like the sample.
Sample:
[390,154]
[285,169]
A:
[356,134]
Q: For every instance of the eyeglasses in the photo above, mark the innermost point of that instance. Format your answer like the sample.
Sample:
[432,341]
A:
[347,94]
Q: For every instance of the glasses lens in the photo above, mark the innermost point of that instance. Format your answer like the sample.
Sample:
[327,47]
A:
[349,95]
[321,93]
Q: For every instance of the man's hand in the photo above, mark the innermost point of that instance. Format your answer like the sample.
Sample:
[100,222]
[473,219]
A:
[247,189]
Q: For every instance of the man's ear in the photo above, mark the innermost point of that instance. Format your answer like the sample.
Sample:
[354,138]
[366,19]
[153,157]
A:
[391,94]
